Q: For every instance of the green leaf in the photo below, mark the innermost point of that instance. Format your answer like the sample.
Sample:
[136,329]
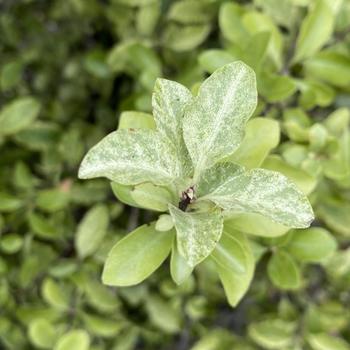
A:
[259,191]
[303,180]
[151,197]
[230,254]
[130,157]
[164,223]
[255,224]
[322,341]
[134,251]
[190,12]
[312,245]
[123,193]
[272,334]
[54,294]
[103,327]
[179,268]
[283,271]
[213,59]
[52,200]
[169,101]
[261,136]
[215,120]
[11,243]
[236,284]
[75,339]
[18,115]
[9,202]
[315,31]
[42,333]
[91,230]
[197,233]
[136,120]
[331,67]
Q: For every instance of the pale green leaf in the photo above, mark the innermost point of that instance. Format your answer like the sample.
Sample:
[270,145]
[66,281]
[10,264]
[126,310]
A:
[75,339]
[131,157]
[54,294]
[91,230]
[314,244]
[136,120]
[261,136]
[236,284]
[215,120]
[259,191]
[42,333]
[283,271]
[315,31]
[272,334]
[197,233]
[213,59]
[130,262]
[230,254]
[103,327]
[18,115]
[322,341]
[169,101]
[179,268]
[164,223]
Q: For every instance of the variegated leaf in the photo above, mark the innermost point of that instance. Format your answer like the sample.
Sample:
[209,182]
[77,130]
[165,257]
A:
[260,191]
[130,157]
[197,233]
[214,121]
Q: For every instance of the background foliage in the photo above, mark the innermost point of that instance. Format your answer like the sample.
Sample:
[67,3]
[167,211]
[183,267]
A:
[68,69]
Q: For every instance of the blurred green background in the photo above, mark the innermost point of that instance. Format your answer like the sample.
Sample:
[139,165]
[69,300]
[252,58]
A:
[68,69]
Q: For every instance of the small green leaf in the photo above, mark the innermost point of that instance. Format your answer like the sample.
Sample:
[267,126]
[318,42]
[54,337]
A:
[54,294]
[130,262]
[11,243]
[261,136]
[322,341]
[9,202]
[272,334]
[283,271]
[52,200]
[315,31]
[131,157]
[103,327]
[164,223]
[91,230]
[42,333]
[215,120]
[197,233]
[236,284]
[136,120]
[75,339]
[18,115]
[230,254]
[179,269]
[151,197]
[259,191]
[123,193]
[213,59]
[314,244]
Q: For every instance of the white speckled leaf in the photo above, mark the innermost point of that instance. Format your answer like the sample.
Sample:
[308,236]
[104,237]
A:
[260,191]
[169,101]
[131,157]
[197,233]
[215,120]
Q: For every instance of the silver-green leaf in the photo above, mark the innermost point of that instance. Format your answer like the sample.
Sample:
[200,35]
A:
[197,233]
[260,191]
[130,157]
[214,121]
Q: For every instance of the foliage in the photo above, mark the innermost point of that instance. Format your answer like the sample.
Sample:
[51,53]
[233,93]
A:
[71,71]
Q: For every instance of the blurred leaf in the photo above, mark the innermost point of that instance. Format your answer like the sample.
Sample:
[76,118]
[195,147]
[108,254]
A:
[323,341]
[179,268]
[42,333]
[75,339]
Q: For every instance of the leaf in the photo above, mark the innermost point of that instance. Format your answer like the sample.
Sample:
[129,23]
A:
[54,294]
[164,223]
[190,12]
[215,120]
[213,59]
[230,254]
[259,191]
[18,115]
[136,120]
[169,100]
[322,341]
[9,202]
[197,233]
[261,136]
[283,271]
[52,200]
[314,244]
[315,31]
[272,334]
[41,333]
[236,284]
[75,339]
[130,262]
[179,269]
[151,197]
[91,230]
[131,157]
[103,327]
